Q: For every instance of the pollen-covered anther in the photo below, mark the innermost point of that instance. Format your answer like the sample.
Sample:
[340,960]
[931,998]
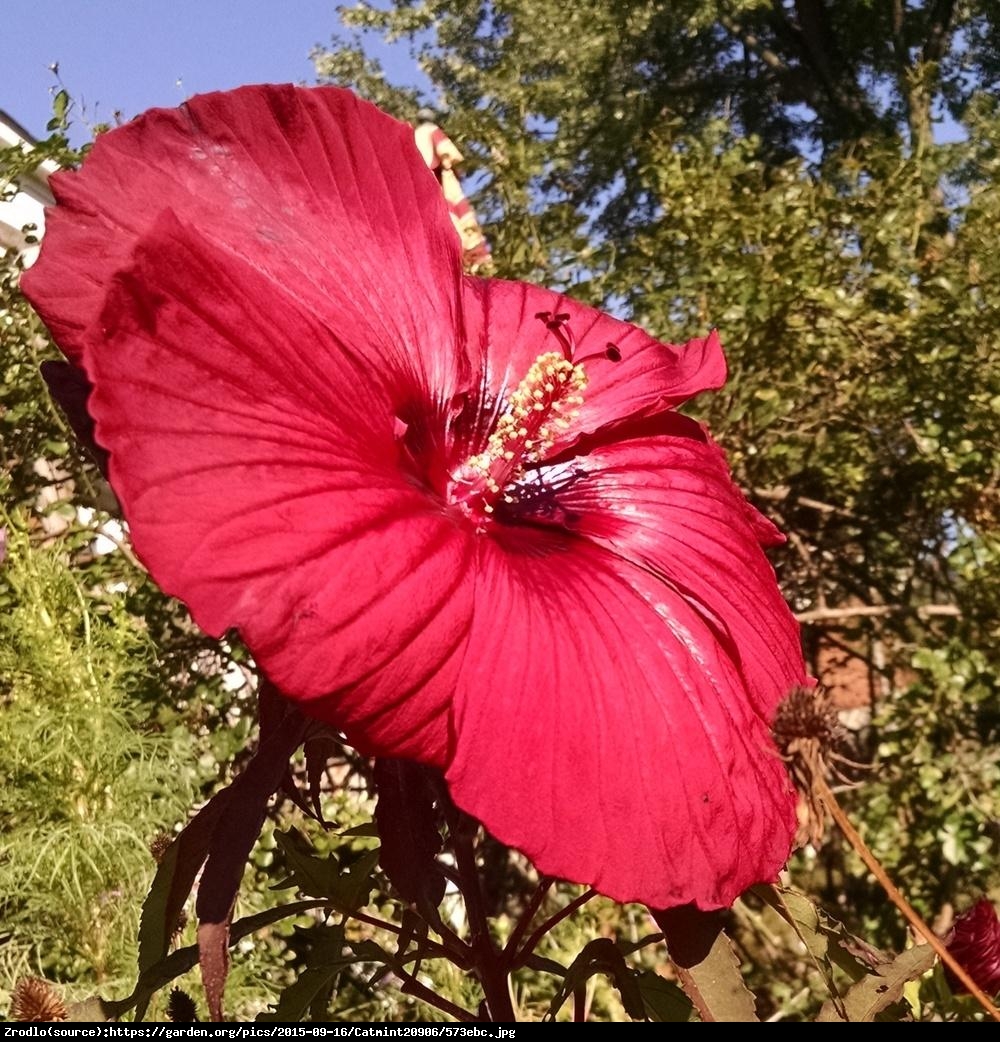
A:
[539,410]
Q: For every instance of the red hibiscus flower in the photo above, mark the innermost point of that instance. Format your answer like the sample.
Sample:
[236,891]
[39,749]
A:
[458,519]
[975,943]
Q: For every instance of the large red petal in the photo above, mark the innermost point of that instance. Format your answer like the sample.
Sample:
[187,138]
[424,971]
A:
[600,698]
[630,375]
[326,194]
[667,504]
[255,459]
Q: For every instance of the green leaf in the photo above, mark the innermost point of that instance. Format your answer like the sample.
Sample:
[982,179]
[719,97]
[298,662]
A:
[826,940]
[175,876]
[664,1001]
[601,956]
[184,959]
[60,110]
[706,964]
[879,990]
[322,876]
[324,964]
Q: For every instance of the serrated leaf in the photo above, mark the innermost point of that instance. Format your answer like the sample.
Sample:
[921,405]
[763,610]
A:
[877,991]
[318,750]
[322,876]
[664,1001]
[324,964]
[220,837]
[825,938]
[175,876]
[233,838]
[238,830]
[706,964]
[184,959]
[367,830]
[601,955]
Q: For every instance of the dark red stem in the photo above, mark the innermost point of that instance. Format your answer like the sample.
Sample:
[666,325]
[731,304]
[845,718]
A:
[532,942]
[490,965]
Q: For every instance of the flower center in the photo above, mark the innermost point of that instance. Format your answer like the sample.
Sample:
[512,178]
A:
[544,404]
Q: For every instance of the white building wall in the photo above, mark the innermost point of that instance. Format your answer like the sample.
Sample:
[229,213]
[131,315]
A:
[26,207]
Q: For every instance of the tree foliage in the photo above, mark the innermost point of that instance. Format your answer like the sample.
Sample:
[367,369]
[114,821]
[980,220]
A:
[817,179]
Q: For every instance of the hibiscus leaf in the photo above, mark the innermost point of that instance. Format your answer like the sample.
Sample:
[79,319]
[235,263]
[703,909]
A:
[323,966]
[664,1001]
[408,824]
[323,877]
[175,876]
[601,955]
[412,928]
[231,841]
[368,829]
[878,990]
[827,940]
[237,831]
[180,863]
[545,965]
[706,964]
[213,958]
[179,962]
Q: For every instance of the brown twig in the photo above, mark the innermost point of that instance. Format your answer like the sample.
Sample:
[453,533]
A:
[782,494]
[894,895]
[861,611]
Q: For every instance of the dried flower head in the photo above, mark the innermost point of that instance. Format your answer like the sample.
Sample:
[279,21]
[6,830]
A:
[807,731]
[159,844]
[806,723]
[181,1008]
[35,1002]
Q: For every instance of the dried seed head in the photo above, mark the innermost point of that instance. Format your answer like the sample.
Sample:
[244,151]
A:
[807,716]
[158,845]
[35,1001]
[806,732]
[181,1008]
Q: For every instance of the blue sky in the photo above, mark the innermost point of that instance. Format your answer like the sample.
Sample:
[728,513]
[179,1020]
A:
[130,54]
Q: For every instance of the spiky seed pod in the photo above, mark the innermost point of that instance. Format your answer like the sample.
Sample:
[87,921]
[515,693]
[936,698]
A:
[158,845]
[807,717]
[35,1001]
[181,1008]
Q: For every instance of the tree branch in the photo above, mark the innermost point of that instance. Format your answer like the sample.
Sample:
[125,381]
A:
[782,493]
[923,611]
